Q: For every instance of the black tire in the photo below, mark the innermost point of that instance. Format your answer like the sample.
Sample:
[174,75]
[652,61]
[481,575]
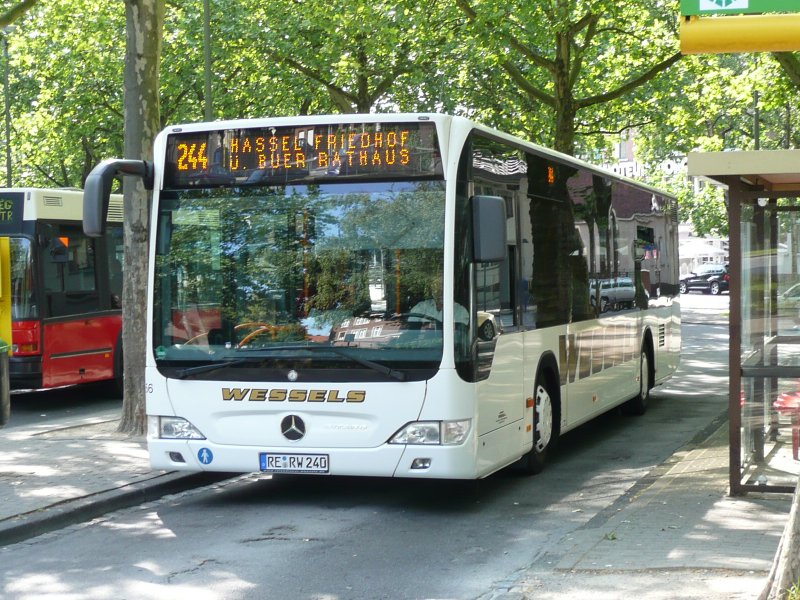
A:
[638,406]
[545,428]
[715,288]
[486,332]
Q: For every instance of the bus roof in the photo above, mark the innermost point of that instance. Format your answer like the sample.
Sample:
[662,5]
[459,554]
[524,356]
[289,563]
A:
[443,121]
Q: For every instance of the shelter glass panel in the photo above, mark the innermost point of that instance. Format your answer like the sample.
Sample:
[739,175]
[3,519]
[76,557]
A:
[770,350]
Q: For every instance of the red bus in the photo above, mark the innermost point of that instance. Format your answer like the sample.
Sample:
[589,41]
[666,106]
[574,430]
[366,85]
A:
[66,290]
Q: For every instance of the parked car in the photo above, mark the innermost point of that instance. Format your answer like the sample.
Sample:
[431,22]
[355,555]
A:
[615,294]
[790,299]
[710,278]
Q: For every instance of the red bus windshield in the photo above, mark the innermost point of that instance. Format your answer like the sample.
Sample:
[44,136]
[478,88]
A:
[22,280]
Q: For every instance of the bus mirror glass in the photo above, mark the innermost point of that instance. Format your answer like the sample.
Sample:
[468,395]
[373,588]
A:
[96,196]
[489,229]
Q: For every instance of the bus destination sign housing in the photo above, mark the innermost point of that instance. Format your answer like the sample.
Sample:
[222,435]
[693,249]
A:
[308,153]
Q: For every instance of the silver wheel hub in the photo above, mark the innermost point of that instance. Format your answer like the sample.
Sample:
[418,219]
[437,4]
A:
[544,419]
[644,375]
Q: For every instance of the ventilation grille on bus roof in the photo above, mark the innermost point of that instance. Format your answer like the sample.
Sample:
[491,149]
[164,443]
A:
[52,200]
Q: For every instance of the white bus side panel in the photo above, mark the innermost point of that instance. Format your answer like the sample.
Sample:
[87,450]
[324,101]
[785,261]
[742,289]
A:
[665,324]
[604,370]
[501,406]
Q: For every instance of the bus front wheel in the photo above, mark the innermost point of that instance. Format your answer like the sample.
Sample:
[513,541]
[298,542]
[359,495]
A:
[545,427]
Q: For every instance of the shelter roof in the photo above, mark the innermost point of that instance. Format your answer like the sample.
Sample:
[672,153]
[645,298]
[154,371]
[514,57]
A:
[770,170]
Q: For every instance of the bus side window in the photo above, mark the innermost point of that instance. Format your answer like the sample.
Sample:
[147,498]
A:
[79,275]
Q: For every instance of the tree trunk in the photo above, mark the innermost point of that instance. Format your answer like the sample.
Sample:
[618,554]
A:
[145,19]
[785,571]
[16,12]
[565,109]
[565,127]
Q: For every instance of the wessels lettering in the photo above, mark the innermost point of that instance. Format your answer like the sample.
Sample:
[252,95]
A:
[287,395]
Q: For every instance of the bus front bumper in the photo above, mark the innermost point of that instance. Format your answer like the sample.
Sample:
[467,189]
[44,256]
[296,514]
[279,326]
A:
[25,372]
[388,460]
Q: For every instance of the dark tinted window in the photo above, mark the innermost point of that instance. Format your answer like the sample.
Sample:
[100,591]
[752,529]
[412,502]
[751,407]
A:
[69,270]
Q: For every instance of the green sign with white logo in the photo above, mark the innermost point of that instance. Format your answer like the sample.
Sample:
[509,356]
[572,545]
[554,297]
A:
[733,7]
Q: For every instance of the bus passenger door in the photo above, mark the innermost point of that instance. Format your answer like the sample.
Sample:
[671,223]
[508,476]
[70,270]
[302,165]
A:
[499,354]
[80,327]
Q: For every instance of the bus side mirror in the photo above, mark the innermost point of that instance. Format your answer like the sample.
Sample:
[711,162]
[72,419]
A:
[488,229]
[97,190]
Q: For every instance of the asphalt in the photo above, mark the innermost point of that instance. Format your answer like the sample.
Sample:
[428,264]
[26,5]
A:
[676,534]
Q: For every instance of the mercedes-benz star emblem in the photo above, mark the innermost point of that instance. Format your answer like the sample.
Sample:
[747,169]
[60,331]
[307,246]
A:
[292,375]
[293,428]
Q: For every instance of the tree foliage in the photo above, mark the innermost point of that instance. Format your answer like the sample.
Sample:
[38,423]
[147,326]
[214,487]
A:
[721,102]
[356,56]
[67,90]
[16,10]
[564,73]
[790,64]
[574,57]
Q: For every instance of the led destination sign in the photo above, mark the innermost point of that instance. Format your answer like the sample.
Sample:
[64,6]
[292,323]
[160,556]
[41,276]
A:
[11,209]
[271,155]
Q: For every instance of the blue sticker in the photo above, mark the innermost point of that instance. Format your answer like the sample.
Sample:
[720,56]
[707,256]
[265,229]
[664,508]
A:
[205,456]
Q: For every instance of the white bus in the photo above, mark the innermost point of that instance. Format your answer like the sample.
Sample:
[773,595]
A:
[408,295]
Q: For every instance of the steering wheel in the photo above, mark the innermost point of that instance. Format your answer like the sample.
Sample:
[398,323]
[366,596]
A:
[259,328]
[193,340]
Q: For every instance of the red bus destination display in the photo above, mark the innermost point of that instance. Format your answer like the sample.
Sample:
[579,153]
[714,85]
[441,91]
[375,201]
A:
[274,155]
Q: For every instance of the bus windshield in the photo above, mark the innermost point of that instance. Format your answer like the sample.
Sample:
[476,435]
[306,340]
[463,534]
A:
[22,278]
[324,275]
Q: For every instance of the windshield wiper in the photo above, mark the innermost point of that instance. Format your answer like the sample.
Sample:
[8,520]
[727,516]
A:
[393,373]
[207,368]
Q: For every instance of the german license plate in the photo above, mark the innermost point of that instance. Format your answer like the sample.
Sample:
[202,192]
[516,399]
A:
[293,463]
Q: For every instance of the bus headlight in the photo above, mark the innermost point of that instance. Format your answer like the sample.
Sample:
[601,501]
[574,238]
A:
[455,432]
[172,428]
[447,433]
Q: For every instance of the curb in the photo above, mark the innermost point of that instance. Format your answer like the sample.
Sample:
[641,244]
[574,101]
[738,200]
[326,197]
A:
[57,516]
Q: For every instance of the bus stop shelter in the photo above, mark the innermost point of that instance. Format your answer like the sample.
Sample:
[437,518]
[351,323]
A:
[764,356]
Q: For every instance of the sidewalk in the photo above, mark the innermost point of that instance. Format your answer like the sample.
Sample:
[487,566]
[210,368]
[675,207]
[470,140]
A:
[62,473]
[675,535]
